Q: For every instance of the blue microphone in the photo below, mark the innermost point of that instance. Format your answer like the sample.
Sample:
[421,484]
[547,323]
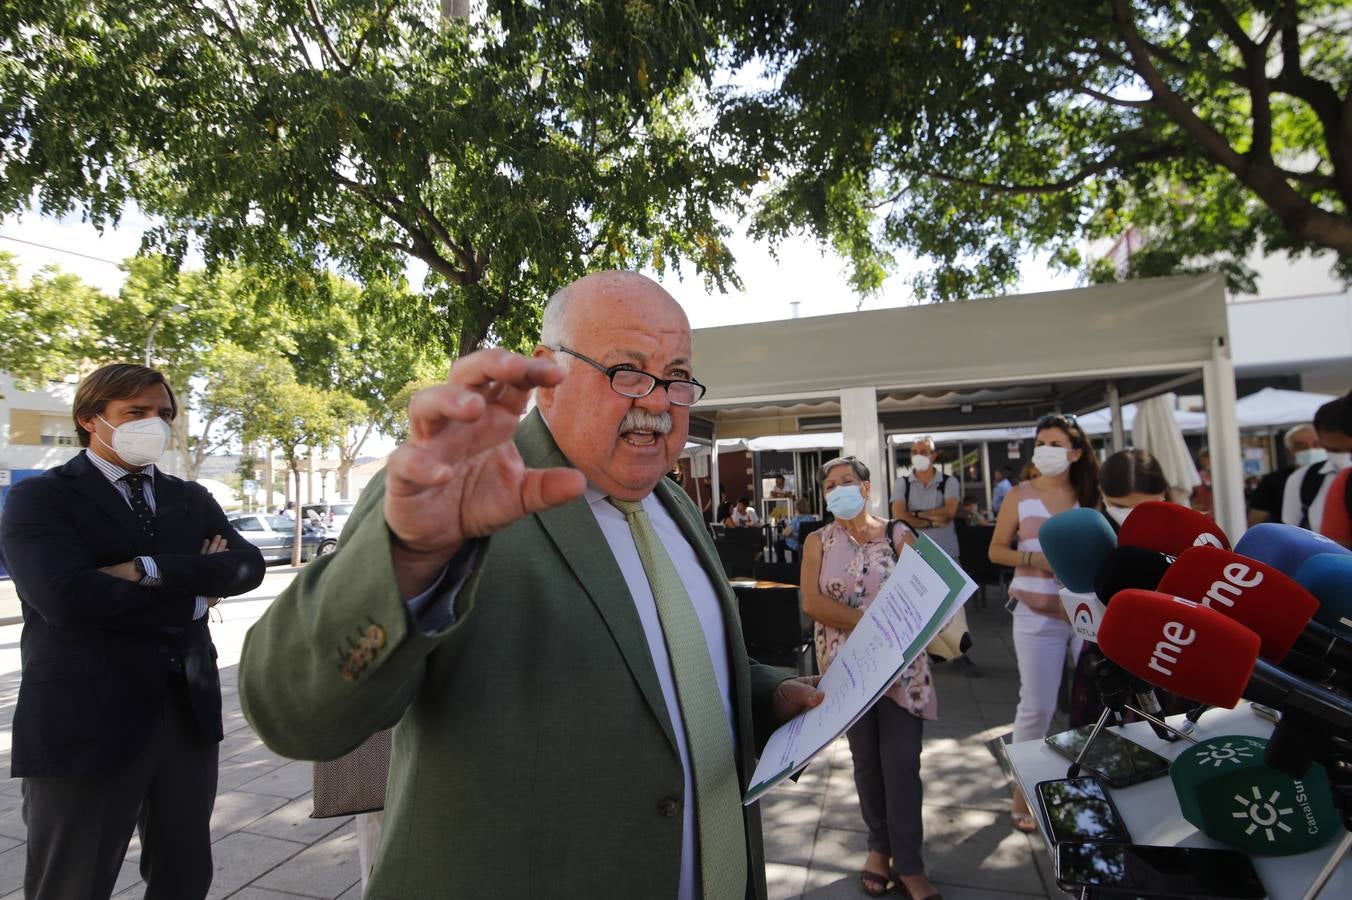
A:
[1076,543]
[1285,547]
[1329,577]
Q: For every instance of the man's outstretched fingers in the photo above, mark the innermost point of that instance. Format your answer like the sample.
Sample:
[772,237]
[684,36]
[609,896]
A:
[410,467]
[431,408]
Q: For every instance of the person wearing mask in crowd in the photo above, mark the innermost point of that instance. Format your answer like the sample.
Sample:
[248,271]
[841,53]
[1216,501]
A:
[1068,477]
[927,499]
[542,617]
[1308,487]
[118,722]
[1002,489]
[1336,523]
[845,563]
[744,514]
[1302,446]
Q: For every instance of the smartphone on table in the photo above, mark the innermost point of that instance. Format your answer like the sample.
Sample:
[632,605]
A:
[1185,873]
[1079,809]
[1116,760]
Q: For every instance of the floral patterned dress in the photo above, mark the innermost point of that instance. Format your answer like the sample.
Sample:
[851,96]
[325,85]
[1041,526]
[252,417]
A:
[852,574]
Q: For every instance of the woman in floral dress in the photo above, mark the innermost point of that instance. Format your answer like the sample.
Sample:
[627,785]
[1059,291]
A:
[844,565]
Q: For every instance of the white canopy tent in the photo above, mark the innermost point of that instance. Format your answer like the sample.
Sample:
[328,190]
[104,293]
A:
[979,364]
[1274,407]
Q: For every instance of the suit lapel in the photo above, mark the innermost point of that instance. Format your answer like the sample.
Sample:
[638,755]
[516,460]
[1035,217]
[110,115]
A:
[89,483]
[574,531]
[171,512]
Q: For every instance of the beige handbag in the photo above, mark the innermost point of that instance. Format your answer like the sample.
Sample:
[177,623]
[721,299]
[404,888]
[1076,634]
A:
[953,640]
[354,782]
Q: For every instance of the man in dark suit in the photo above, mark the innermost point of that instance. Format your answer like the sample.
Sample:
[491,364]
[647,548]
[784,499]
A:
[119,711]
[545,617]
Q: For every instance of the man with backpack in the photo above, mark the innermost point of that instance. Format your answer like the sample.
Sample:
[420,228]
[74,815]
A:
[1307,490]
[927,499]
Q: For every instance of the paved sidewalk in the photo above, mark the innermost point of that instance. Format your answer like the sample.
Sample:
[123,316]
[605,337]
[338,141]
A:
[267,848]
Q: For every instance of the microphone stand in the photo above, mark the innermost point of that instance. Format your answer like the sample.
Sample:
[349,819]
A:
[1114,688]
[1339,769]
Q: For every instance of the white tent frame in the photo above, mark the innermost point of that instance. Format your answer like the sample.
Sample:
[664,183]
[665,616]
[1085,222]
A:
[1152,333]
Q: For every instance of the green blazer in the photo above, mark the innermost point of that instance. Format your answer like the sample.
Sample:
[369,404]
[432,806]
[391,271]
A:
[533,755]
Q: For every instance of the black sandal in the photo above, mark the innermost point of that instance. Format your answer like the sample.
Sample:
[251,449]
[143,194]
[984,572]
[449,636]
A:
[873,884]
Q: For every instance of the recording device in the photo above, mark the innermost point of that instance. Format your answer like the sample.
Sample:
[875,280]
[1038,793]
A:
[1080,546]
[1260,597]
[1226,791]
[1079,809]
[1115,759]
[1169,529]
[1200,654]
[1139,870]
[1328,576]
[1285,547]
[1130,567]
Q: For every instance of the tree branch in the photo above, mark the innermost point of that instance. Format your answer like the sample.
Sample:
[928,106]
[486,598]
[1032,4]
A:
[1162,151]
[1301,217]
[461,254]
[1109,98]
[300,45]
[1255,79]
[331,50]
[381,18]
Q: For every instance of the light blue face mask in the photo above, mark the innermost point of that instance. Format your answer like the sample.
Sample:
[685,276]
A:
[845,501]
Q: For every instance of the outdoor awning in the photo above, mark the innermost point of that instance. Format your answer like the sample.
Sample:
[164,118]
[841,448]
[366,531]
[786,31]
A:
[1275,407]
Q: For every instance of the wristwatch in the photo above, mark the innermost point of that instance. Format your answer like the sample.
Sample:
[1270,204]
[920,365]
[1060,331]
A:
[139,566]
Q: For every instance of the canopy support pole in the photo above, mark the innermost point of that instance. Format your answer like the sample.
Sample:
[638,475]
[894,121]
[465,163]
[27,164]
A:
[859,435]
[1118,441]
[1222,427]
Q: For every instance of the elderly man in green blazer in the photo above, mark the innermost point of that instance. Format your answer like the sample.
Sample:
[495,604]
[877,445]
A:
[545,618]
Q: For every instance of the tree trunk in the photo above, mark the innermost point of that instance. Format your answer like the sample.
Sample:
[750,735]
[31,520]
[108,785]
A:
[296,525]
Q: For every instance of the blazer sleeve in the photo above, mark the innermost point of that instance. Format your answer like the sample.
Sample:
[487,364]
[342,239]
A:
[337,656]
[56,575]
[235,571]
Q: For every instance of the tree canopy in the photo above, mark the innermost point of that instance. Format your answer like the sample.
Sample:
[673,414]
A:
[510,153]
[971,133]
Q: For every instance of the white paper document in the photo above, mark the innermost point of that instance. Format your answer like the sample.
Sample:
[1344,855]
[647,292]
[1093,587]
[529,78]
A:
[923,592]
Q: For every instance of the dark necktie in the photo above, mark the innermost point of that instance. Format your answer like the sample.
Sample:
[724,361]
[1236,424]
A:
[137,495]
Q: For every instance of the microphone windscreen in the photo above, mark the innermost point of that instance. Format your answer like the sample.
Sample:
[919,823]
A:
[1169,529]
[1328,576]
[1075,543]
[1252,593]
[1180,646]
[1129,567]
[1285,547]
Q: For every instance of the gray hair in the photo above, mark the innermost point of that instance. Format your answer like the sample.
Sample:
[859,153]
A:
[923,439]
[860,470]
[1289,438]
[554,322]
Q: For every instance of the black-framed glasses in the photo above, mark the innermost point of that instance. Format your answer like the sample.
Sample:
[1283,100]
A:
[1057,419]
[627,381]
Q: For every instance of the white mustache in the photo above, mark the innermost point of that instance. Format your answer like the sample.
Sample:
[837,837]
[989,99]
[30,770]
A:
[639,420]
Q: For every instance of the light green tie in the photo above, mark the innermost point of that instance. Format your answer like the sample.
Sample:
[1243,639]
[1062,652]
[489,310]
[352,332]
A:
[718,796]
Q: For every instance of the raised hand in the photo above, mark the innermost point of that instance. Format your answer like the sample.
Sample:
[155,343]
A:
[459,475]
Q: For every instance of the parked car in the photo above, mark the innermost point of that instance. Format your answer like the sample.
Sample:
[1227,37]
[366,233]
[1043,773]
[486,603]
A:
[332,516]
[275,535]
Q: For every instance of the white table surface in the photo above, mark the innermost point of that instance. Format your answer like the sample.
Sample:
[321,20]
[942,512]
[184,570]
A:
[1152,814]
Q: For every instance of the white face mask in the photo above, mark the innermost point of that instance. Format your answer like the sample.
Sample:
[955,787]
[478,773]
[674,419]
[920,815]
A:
[1340,460]
[920,462]
[1051,460]
[140,442]
[1310,457]
[1117,513]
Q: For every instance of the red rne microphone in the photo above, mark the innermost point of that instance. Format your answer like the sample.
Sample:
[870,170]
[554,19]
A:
[1179,645]
[1169,528]
[1252,593]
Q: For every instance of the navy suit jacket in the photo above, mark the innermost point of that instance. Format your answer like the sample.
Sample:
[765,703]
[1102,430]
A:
[99,652]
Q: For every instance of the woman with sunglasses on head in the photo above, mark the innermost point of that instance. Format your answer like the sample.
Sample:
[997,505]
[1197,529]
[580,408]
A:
[845,563]
[1068,477]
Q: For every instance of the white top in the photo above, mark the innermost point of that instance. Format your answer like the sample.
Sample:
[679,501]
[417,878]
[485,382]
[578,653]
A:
[701,590]
[1291,496]
[747,517]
